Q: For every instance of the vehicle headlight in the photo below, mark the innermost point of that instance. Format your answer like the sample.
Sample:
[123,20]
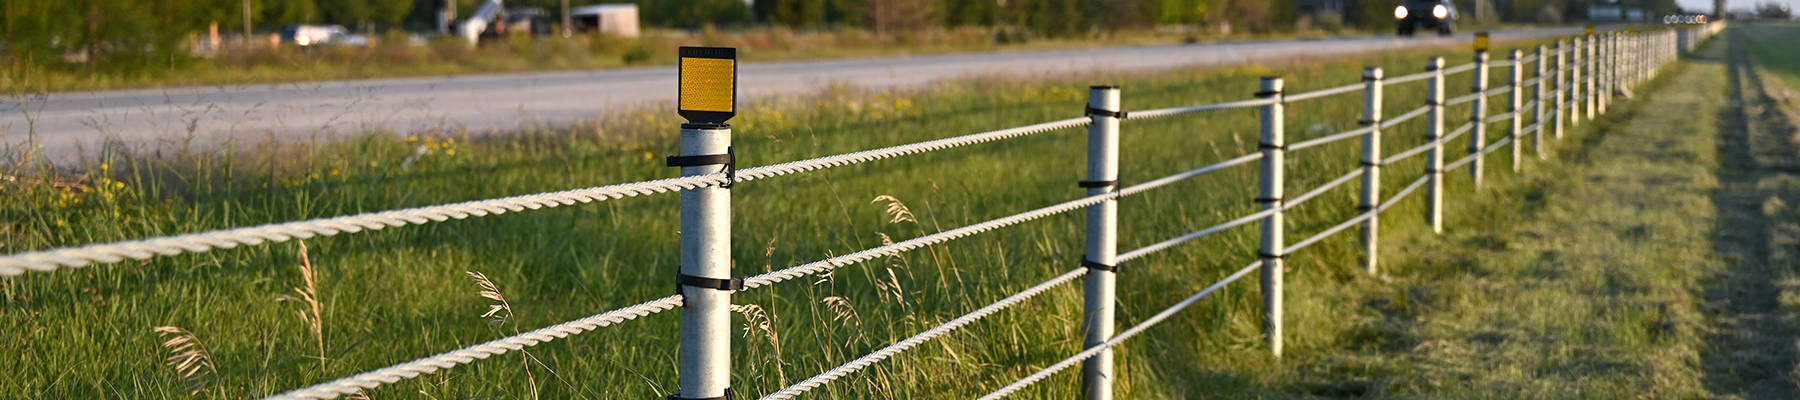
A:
[1400,12]
[1440,12]
[303,40]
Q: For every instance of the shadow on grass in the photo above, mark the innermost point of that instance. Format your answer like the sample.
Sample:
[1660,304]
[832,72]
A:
[1747,352]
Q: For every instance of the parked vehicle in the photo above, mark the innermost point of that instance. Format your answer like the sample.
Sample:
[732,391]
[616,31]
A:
[1413,15]
[315,35]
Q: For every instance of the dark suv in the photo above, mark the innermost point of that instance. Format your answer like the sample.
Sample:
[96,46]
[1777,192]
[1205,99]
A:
[1414,15]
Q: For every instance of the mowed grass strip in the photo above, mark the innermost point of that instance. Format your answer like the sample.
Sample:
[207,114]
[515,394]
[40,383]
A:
[403,293]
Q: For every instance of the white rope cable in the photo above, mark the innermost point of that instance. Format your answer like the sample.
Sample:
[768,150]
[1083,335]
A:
[407,370]
[1408,78]
[1164,112]
[1159,246]
[1427,146]
[1462,99]
[1460,130]
[1289,204]
[142,249]
[893,349]
[945,236]
[1127,334]
[1359,218]
[1415,113]
[1332,138]
[1459,69]
[1498,91]
[1322,92]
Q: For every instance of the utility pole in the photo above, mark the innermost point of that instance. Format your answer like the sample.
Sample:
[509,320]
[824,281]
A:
[566,31]
[246,21]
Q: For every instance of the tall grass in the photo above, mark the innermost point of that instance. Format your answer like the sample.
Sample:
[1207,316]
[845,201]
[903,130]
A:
[399,294]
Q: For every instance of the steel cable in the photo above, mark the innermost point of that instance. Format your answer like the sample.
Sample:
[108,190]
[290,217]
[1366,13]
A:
[891,350]
[1127,334]
[410,369]
[141,249]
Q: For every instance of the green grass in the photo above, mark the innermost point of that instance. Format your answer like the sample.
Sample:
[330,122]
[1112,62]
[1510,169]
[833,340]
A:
[402,293]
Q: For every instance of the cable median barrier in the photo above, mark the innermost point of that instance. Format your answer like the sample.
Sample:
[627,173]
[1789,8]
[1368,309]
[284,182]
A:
[143,249]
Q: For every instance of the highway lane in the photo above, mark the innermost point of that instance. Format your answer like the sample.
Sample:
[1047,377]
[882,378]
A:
[62,124]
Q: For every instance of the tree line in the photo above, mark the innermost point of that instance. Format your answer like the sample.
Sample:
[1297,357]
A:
[138,33]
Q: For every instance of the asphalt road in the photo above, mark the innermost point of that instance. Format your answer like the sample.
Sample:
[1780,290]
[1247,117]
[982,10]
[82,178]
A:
[65,124]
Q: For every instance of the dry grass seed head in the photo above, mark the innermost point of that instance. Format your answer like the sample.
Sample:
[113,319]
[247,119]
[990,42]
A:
[841,310]
[188,356]
[896,210]
[499,312]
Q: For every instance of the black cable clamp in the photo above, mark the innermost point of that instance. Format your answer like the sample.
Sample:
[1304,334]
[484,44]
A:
[1269,93]
[1434,171]
[1106,113]
[1259,253]
[1103,267]
[1268,199]
[729,395]
[1098,184]
[1261,145]
[1376,121]
[729,160]
[1434,103]
[730,284]
[1367,208]
[1371,164]
[1367,78]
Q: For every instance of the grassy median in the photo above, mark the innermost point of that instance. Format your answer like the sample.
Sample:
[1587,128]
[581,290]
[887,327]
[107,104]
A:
[1578,278]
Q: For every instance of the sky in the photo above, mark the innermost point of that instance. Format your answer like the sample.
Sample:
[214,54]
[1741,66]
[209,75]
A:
[1731,4]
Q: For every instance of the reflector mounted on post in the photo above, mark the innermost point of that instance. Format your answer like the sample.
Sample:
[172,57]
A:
[1481,41]
[708,85]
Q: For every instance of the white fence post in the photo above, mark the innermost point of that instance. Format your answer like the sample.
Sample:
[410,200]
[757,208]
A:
[705,277]
[1542,103]
[1574,88]
[1371,163]
[1478,117]
[1592,66]
[1102,240]
[1561,91]
[1601,63]
[1434,167]
[1512,107]
[1272,145]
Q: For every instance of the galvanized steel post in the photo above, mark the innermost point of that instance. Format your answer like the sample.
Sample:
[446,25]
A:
[1512,107]
[1478,117]
[1102,240]
[705,356]
[1434,167]
[1542,103]
[1371,162]
[1562,87]
[1272,145]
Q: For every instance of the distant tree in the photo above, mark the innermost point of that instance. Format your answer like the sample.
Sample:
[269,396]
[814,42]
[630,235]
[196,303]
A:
[1774,11]
[885,16]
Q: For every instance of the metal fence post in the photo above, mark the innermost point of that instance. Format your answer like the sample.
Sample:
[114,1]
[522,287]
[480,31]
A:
[705,278]
[1102,240]
[1272,145]
[1434,169]
[1574,88]
[1593,69]
[1371,163]
[1512,107]
[1478,117]
[1562,86]
[1542,102]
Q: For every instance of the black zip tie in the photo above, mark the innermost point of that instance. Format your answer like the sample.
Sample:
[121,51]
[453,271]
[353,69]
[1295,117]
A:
[1434,171]
[1267,255]
[1268,200]
[729,395]
[730,284]
[1367,208]
[1261,145]
[1263,94]
[1103,267]
[1434,103]
[1371,79]
[1376,121]
[1098,184]
[1106,113]
[1371,164]
[729,160]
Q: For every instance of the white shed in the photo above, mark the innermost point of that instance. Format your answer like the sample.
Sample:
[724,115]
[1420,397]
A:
[614,18]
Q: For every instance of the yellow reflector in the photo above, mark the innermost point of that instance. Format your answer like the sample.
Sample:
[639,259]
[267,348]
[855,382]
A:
[1590,30]
[1481,41]
[707,83]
